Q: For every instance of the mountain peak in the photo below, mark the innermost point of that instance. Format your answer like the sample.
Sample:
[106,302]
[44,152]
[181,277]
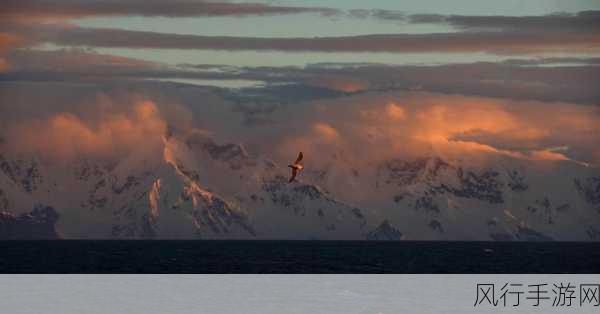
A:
[385,231]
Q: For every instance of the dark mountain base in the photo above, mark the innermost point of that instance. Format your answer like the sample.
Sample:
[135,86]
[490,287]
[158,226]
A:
[69,256]
[37,225]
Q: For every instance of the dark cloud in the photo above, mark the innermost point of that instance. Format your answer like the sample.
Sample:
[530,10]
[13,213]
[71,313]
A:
[587,21]
[554,61]
[489,34]
[48,9]
[386,121]
[70,60]
[384,15]
[514,78]
[584,21]
[492,42]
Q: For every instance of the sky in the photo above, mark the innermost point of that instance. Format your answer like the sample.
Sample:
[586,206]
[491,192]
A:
[510,58]
[309,24]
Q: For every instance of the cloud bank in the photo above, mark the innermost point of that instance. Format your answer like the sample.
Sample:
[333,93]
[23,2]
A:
[585,21]
[364,128]
[379,127]
[527,79]
[116,128]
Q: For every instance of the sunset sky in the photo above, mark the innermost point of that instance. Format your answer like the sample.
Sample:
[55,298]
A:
[470,74]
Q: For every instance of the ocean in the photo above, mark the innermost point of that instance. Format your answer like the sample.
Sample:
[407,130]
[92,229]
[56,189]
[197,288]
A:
[292,257]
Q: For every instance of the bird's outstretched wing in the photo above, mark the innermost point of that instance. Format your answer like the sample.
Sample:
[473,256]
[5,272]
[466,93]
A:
[294,172]
[299,158]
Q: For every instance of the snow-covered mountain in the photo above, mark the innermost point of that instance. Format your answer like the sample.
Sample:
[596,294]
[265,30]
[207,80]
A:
[505,198]
[190,186]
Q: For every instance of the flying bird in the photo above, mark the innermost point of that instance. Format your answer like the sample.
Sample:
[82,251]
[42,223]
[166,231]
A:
[296,167]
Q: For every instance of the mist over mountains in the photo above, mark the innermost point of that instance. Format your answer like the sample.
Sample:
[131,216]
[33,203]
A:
[175,161]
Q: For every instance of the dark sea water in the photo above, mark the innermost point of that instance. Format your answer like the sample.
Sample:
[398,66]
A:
[67,256]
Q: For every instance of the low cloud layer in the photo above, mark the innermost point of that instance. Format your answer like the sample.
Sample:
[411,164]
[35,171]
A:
[113,128]
[363,129]
[374,127]
[543,79]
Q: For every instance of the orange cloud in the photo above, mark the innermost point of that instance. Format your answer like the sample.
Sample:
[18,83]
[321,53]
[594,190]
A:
[3,65]
[547,155]
[65,136]
[326,132]
[342,84]
[375,127]
[449,117]
[8,41]
[395,112]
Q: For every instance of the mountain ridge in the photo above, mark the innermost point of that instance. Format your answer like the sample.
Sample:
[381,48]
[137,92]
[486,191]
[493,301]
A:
[194,187]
